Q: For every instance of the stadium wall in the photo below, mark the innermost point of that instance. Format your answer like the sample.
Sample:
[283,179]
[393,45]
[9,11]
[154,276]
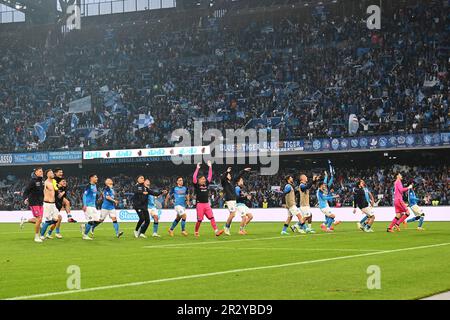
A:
[261,215]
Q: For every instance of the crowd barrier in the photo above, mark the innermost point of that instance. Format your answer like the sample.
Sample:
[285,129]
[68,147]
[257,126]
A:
[260,215]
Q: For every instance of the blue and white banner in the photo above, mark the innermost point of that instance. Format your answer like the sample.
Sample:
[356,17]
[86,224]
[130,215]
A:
[30,158]
[65,156]
[81,105]
[142,153]
[379,142]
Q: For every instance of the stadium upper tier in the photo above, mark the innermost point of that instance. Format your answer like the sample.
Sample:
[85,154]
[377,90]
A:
[304,74]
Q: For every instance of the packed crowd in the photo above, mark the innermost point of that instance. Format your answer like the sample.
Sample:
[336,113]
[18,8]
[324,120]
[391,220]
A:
[302,74]
[432,186]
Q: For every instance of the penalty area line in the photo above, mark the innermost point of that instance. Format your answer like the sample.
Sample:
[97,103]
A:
[205,275]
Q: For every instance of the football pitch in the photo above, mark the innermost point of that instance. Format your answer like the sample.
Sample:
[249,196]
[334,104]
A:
[347,264]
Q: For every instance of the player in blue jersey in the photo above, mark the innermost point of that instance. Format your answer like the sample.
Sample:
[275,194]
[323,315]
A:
[109,206]
[181,200]
[90,207]
[323,197]
[243,204]
[153,211]
[413,203]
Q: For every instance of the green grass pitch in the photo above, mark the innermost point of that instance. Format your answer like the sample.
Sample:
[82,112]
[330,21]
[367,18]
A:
[262,265]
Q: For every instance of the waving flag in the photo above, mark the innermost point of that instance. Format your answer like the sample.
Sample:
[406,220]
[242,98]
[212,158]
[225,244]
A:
[40,129]
[144,121]
[74,122]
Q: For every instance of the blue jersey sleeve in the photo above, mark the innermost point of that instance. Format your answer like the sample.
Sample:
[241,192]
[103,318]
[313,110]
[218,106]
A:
[237,191]
[287,189]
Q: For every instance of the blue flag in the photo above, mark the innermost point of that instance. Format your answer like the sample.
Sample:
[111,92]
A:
[40,129]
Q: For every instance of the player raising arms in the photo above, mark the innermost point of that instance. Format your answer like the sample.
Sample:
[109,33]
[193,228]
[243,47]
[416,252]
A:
[230,195]
[109,206]
[291,205]
[363,202]
[419,215]
[181,201]
[203,207]
[90,207]
[305,207]
[401,210]
[33,196]
[153,212]
[323,197]
[51,213]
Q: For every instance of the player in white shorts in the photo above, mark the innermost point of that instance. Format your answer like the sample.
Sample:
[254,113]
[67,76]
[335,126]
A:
[89,207]
[419,215]
[232,192]
[50,212]
[180,194]
[243,199]
[109,206]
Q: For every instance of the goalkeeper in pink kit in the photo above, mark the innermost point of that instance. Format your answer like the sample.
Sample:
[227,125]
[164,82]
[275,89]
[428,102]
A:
[201,187]
[401,209]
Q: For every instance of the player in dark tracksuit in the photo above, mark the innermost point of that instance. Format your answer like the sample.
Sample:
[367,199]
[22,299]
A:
[140,204]
[33,196]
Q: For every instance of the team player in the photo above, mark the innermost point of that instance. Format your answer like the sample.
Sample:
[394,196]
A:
[60,195]
[153,211]
[362,200]
[109,206]
[305,207]
[401,210]
[33,196]
[291,205]
[181,202]
[230,195]
[51,213]
[243,203]
[201,189]
[59,175]
[419,215]
[90,207]
[323,197]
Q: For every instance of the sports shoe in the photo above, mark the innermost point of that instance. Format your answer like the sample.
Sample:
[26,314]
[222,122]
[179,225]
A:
[38,240]
[184,233]
[170,232]
[42,238]
[284,233]
[49,237]
[242,232]
[330,230]
[23,220]
[119,234]
[390,230]
[136,234]
[420,229]
[196,234]
[219,233]
[311,231]
[155,235]
[58,236]
[71,220]
[86,237]
[323,227]
[227,231]
[368,230]
[294,228]
[143,236]
[302,231]
[397,228]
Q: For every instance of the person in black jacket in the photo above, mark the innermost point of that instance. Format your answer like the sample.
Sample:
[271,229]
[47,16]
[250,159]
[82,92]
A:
[229,190]
[140,204]
[33,196]
[361,199]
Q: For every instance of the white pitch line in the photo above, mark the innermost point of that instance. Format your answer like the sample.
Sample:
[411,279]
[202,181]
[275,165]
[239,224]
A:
[233,241]
[204,275]
[273,248]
